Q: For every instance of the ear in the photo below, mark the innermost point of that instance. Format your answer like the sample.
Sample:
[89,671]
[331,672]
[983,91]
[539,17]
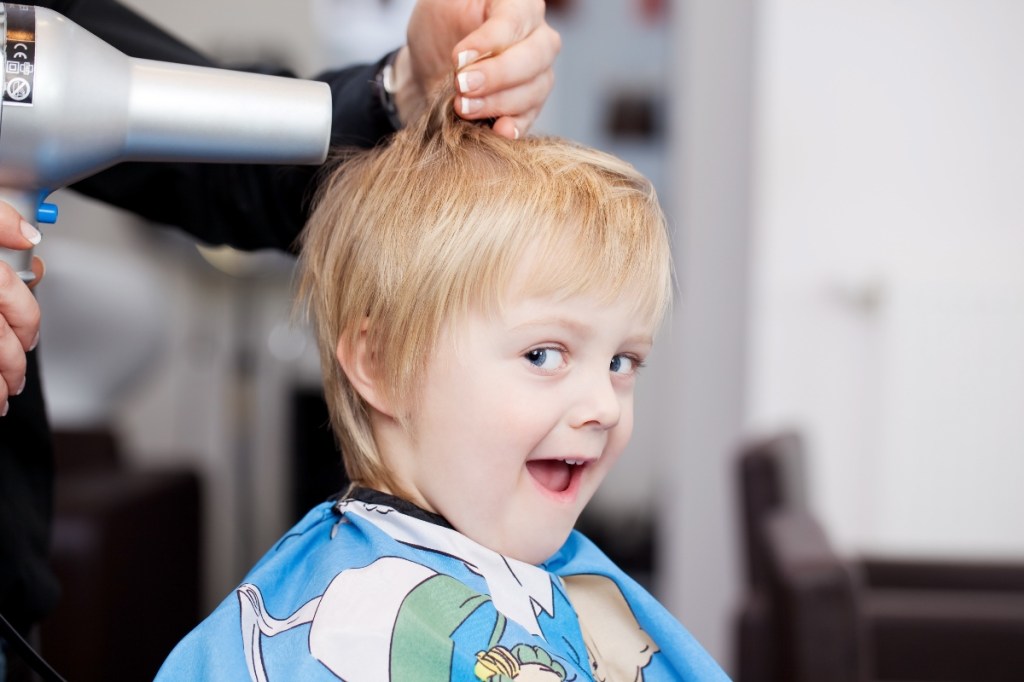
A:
[358,365]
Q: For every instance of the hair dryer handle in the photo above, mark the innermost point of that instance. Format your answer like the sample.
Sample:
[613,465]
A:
[27,204]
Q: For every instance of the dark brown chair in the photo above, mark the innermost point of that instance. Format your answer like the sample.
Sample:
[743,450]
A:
[808,615]
[126,550]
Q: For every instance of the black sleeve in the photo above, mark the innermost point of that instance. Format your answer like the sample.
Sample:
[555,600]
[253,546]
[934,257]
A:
[245,206]
[28,587]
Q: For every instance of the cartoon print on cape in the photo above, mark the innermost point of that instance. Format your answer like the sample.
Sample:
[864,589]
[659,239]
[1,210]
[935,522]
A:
[400,597]
[618,647]
[400,619]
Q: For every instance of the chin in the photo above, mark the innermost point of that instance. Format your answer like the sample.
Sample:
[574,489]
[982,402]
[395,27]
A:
[533,558]
[540,547]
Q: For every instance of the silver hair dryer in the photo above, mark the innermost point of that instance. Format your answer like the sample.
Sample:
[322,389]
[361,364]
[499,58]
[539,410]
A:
[73,106]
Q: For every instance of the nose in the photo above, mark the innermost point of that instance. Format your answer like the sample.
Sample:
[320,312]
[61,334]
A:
[598,403]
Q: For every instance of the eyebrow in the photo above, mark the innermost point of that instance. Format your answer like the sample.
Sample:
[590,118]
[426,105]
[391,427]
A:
[577,327]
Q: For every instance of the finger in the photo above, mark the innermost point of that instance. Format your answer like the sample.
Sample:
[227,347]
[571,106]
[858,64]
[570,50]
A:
[38,269]
[512,127]
[12,365]
[523,102]
[18,307]
[506,23]
[519,64]
[15,231]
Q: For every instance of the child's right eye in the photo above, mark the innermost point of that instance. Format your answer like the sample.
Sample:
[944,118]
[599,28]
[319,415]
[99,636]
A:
[546,358]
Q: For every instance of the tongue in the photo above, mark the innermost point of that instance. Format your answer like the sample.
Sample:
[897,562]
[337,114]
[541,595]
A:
[553,474]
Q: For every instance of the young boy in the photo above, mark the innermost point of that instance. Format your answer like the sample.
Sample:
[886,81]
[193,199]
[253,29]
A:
[483,307]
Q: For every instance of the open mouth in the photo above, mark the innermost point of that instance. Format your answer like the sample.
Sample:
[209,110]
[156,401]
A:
[556,475]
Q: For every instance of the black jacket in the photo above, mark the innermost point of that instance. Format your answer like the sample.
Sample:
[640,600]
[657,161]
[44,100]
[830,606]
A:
[246,206]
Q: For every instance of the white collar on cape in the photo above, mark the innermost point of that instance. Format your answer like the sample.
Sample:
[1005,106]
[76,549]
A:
[520,591]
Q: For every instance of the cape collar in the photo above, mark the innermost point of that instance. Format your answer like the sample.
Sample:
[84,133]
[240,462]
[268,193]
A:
[376,497]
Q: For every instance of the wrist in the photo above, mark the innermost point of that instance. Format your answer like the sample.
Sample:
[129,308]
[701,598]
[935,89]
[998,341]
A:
[403,89]
[385,89]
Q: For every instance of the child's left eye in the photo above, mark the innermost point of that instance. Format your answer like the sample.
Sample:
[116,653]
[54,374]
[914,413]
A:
[546,358]
[623,364]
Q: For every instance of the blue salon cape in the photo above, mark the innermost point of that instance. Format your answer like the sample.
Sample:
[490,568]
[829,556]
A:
[360,591]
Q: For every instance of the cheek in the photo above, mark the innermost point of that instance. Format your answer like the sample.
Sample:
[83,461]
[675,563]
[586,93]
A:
[501,409]
[476,428]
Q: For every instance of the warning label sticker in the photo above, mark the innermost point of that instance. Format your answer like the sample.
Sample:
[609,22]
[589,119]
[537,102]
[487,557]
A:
[19,54]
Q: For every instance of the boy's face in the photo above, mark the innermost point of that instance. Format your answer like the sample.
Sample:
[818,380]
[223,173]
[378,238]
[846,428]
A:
[521,416]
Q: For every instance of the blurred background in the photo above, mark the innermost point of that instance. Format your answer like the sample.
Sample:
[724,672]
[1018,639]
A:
[843,182]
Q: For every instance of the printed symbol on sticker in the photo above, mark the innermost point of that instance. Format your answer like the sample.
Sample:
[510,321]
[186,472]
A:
[18,89]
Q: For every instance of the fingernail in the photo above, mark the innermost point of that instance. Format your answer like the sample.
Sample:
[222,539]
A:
[515,133]
[470,105]
[7,406]
[30,233]
[467,57]
[470,81]
[35,342]
[24,380]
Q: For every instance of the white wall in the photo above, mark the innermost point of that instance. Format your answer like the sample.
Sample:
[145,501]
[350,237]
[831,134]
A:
[846,182]
[889,266]
[709,199]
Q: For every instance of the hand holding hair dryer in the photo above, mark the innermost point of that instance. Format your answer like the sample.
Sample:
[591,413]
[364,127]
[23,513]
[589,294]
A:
[72,106]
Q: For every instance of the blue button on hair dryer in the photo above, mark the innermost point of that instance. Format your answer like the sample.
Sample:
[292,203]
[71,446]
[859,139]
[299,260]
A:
[73,106]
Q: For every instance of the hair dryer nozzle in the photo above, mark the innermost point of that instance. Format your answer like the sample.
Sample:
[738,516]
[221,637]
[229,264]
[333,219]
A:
[198,114]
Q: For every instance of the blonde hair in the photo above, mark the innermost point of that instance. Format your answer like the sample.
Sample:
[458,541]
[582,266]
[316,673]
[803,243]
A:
[408,236]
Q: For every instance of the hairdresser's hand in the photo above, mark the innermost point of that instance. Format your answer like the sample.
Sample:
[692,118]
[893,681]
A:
[19,312]
[503,51]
